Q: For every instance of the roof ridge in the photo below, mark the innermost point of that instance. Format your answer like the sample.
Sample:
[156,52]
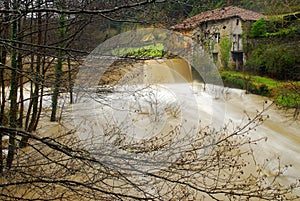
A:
[218,14]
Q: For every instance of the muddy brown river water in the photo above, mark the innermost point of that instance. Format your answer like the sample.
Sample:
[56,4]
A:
[212,105]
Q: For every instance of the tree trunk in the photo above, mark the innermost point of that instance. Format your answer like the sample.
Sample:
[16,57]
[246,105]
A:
[32,61]
[44,69]
[13,91]
[20,78]
[3,54]
[58,69]
[70,80]
[34,103]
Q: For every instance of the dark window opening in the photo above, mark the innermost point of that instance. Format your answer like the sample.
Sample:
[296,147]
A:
[237,21]
[224,27]
[237,57]
[234,42]
[215,57]
[233,37]
[206,35]
[198,38]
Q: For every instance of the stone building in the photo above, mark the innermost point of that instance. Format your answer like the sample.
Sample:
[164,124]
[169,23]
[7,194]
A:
[210,27]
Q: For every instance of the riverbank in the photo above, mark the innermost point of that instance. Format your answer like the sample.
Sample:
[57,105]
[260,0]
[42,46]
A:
[286,94]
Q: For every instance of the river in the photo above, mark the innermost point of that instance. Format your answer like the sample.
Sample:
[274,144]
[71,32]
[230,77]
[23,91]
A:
[149,101]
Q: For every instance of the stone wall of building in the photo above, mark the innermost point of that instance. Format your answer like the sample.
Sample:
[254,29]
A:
[209,34]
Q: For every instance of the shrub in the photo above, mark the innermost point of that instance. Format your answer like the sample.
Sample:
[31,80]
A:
[259,28]
[277,61]
[290,95]
[250,84]
[225,45]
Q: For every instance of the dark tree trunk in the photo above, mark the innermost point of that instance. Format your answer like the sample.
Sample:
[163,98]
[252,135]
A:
[35,95]
[58,68]
[13,111]
[3,53]
[20,78]
[70,80]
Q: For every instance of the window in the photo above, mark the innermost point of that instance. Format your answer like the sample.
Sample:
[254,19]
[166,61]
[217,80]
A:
[239,42]
[215,57]
[217,37]
[239,37]
[206,35]
[237,21]
[198,38]
[234,38]
[234,45]
[237,57]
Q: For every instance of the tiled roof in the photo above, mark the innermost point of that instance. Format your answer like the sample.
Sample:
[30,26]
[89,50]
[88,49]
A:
[218,14]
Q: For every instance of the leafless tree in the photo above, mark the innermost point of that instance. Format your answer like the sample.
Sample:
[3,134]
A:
[59,167]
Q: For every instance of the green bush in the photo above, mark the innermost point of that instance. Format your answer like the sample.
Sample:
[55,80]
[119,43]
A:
[259,28]
[234,82]
[260,89]
[225,46]
[278,61]
[251,84]
[285,94]
[289,95]
[278,26]
[289,100]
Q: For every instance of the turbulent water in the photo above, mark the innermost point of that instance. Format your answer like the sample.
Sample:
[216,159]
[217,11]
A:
[148,103]
[281,132]
[143,112]
[139,109]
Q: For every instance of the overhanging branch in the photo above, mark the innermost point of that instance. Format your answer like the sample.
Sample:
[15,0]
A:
[80,11]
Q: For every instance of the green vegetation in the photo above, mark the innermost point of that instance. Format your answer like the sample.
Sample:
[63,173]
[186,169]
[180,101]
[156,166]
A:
[289,100]
[274,47]
[225,45]
[280,61]
[290,95]
[259,28]
[285,25]
[146,51]
[283,32]
[285,94]
[251,83]
[276,26]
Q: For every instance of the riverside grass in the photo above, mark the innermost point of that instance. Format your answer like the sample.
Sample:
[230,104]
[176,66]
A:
[284,93]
